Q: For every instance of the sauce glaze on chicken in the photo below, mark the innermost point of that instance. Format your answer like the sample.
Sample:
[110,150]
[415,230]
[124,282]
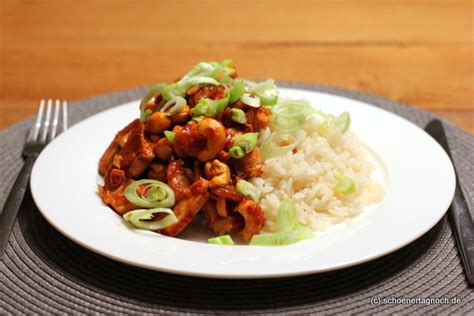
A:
[196,164]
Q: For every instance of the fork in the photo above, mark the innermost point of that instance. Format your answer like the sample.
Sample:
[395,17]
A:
[41,133]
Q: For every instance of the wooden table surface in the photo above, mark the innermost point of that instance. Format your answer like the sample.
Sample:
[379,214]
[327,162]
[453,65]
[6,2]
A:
[419,52]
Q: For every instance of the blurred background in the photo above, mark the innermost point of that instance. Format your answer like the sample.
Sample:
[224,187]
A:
[418,52]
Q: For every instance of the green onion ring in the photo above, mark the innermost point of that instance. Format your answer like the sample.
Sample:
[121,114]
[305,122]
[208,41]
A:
[155,90]
[298,233]
[247,141]
[172,91]
[286,215]
[141,218]
[270,149]
[238,116]
[221,240]
[236,152]
[250,101]
[237,91]
[173,106]
[345,184]
[185,84]
[248,189]
[170,135]
[148,199]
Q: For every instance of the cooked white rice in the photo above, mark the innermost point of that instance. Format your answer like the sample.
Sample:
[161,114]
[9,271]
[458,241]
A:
[305,175]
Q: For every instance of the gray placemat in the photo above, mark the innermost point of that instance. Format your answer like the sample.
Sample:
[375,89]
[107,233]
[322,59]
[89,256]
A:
[43,272]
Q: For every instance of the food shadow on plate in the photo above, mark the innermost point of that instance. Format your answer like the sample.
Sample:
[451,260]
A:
[152,289]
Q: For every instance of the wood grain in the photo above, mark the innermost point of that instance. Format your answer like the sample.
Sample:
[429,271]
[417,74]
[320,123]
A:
[419,52]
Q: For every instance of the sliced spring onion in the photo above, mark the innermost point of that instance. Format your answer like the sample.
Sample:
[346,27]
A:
[236,152]
[250,101]
[220,71]
[172,91]
[268,84]
[237,91]
[152,194]
[205,107]
[155,90]
[228,63]
[289,231]
[224,70]
[208,107]
[269,97]
[345,184]
[291,114]
[238,116]
[247,141]
[185,84]
[286,215]
[319,116]
[298,233]
[287,124]
[173,106]
[223,77]
[248,189]
[272,145]
[200,69]
[292,108]
[197,118]
[143,218]
[170,135]
[266,91]
[343,121]
[221,240]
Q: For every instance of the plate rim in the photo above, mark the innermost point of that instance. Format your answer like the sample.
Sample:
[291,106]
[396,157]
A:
[226,275]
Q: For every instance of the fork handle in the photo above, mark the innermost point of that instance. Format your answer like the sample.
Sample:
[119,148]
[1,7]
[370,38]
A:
[13,203]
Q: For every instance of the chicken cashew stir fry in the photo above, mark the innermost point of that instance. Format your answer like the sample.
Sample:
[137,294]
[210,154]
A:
[195,140]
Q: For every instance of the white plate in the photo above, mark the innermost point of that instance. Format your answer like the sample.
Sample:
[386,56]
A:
[418,175]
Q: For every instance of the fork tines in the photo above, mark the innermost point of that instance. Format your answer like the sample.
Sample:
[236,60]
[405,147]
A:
[46,127]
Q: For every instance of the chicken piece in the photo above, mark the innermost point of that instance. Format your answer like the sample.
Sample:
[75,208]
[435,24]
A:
[187,208]
[158,172]
[225,117]
[176,146]
[231,135]
[210,212]
[113,179]
[227,224]
[129,151]
[229,192]
[106,161]
[217,173]
[219,224]
[247,128]
[223,156]
[115,198]
[240,105]
[258,117]
[253,217]
[137,153]
[206,91]
[198,170]
[178,180]
[163,149]
[250,165]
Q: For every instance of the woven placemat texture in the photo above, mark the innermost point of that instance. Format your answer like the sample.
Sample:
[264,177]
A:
[43,272]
